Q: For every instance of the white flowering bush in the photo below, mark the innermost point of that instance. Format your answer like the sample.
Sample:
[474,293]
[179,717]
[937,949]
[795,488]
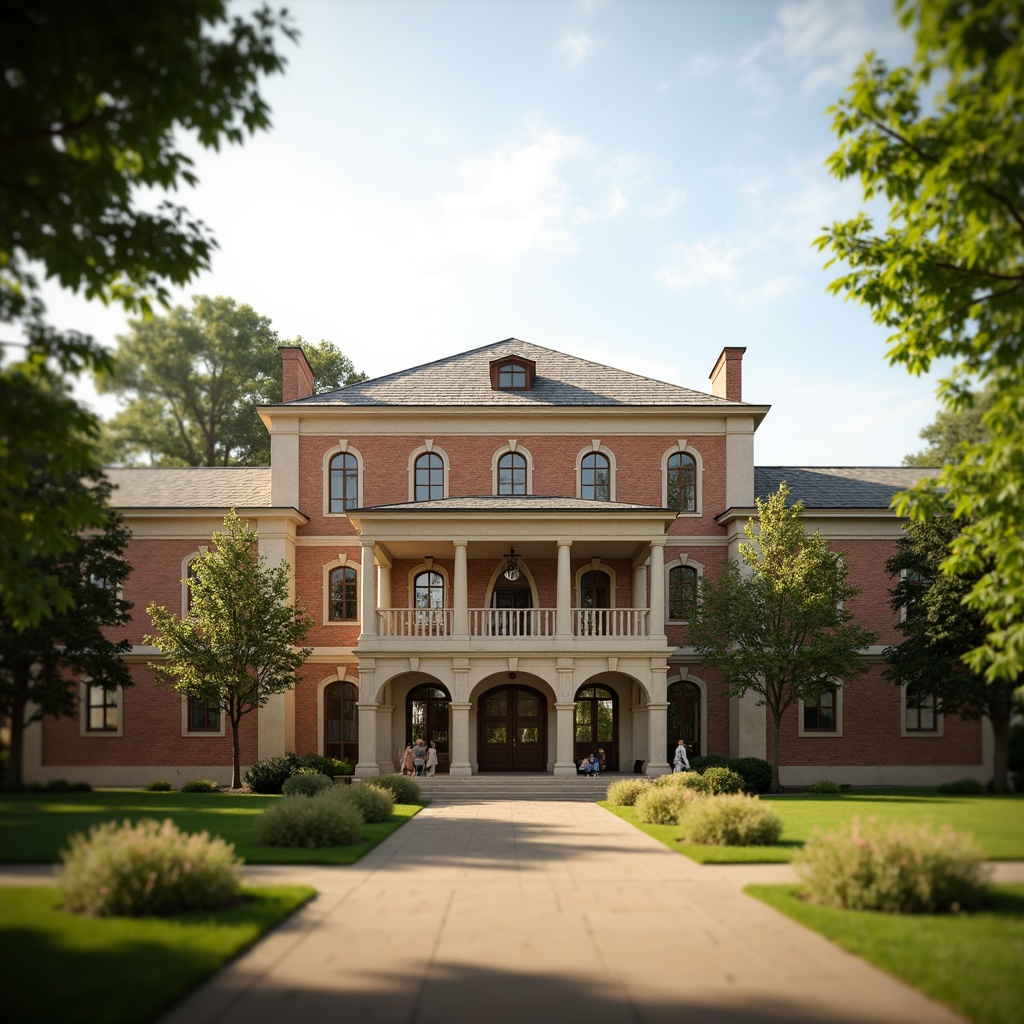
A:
[898,868]
[148,868]
[732,819]
[624,792]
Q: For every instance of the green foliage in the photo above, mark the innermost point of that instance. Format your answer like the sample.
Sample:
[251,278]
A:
[939,144]
[756,773]
[624,792]
[236,647]
[698,764]
[953,432]
[940,628]
[157,786]
[401,787]
[309,824]
[687,780]
[722,780]
[329,766]
[732,820]
[784,632]
[825,786]
[897,868]
[147,868]
[200,786]
[191,379]
[269,775]
[375,803]
[962,786]
[664,805]
[41,664]
[301,784]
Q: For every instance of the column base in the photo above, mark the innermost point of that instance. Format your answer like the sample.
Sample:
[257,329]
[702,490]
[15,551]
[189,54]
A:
[367,769]
[461,770]
[653,770]
[565,769]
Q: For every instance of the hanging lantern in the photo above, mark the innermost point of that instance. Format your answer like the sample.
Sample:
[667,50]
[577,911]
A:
[511,572]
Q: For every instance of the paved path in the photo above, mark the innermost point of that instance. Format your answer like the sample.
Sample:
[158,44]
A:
[530,912]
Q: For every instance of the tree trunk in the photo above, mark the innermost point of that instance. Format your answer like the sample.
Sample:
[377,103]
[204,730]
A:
[15,767]
[1000,750]
[236,767]
[776,786]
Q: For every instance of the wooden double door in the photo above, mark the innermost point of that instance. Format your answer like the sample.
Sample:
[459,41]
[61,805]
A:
[512,730]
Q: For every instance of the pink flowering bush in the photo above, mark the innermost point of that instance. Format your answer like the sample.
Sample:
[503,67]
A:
[148,868]
[896,868]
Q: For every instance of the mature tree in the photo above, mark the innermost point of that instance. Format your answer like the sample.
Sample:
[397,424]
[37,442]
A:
[942,144]
[193,378]
[41,665]
[953,432]
[938,629]
[235,648]
[97,103]
[781,630]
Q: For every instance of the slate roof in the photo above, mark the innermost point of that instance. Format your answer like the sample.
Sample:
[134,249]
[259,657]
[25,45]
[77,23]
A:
[840,486]
[561,379]
[510,503]
[191,487]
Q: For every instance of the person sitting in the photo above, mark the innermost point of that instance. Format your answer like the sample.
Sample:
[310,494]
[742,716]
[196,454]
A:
[594,765]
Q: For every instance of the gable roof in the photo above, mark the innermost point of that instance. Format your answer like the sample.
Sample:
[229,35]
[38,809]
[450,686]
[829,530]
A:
[840,486]
[561,379]
[191,487]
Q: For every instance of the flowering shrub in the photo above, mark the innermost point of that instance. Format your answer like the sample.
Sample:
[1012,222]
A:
[148,868]
[200,786]
[309,824]
[732,820]
[301,784]
[896,868]
[722,780]
[374,804]
[624,792]
[664,805]
[401,787]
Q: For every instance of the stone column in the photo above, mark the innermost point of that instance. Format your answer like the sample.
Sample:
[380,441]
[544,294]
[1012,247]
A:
[640,585]
[460,600]
[383,586]
[657,724]
[460,739]
[657,622]
[563,592]
[367,608]
[565,724]
[367,765]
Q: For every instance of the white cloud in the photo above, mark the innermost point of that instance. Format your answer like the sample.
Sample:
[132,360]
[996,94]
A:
[672,198]
[698,264]
[574,47]
[774,288]
[702,65]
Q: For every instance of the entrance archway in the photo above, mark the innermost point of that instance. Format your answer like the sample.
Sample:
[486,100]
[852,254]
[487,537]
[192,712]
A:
[427,716]
[341,721]
[596,725]
[684,719]
[513,730]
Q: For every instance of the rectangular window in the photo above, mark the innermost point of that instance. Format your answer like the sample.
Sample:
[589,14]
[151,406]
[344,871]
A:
[202,717]
[820,714]
[102,709]
[923,717]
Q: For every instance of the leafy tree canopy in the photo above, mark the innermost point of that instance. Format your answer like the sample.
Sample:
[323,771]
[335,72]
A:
[192,380]
[40,665]
[941,143]
[236,647]
[939,629]
[781,630]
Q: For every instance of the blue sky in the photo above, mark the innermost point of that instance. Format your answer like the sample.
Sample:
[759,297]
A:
[633,182]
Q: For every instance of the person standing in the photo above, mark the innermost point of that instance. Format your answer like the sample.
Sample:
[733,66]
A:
[408,768]
[419,755]
[680,762]
[431,764]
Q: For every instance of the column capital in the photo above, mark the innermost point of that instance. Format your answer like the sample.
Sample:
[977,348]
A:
[564,543]
[366,542]
[658,542]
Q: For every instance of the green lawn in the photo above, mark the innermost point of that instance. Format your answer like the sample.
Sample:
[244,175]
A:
[970,962]
[996,821]
[34,826]
[117,970]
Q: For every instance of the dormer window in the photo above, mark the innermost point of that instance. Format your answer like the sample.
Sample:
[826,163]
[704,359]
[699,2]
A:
[512,373]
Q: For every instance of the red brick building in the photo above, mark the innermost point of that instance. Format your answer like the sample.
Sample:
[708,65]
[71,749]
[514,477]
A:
[499,549]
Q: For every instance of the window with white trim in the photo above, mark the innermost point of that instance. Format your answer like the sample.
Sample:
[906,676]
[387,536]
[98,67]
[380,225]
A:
[512,473]
[681,482]
[596,477]
[343,594]
[683,582]
[822,715]
[343,482]
[101,710]
[428,477]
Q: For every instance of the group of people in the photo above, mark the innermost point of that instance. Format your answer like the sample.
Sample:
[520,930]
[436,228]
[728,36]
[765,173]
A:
[594,763]
[419,759]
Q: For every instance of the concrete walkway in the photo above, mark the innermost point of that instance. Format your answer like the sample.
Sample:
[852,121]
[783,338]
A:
[530,912]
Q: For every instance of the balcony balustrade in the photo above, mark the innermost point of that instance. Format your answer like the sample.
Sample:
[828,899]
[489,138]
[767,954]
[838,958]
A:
[506,623]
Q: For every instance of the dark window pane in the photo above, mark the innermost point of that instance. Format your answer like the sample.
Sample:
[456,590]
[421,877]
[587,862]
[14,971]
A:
[682,482]
[344,482]
[595,477]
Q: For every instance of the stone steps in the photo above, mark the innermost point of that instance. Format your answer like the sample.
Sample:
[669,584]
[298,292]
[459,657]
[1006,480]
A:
[491,787]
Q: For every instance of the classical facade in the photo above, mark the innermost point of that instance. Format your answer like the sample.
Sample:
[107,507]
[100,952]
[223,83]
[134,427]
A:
[501,550]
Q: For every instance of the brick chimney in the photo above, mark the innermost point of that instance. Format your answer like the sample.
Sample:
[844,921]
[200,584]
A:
[296,376]
[727,376]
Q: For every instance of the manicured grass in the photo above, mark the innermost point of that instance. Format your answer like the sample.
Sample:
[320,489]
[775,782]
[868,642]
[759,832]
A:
[970,962]
[996,821]
[116,970]
[34,826]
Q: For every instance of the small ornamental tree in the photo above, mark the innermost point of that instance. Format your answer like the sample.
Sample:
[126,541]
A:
[41,665]
[939,627]
[782,629]
[236,646]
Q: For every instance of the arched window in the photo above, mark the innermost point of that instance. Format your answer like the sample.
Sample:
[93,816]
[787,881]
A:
[512,474]
[595,726]
[684,719]
[341,721]
[344,595]
[512,377]
[595,477]
[682,592]
[682,482]
[428,477]
[428,589]
[595,589]
[344,482]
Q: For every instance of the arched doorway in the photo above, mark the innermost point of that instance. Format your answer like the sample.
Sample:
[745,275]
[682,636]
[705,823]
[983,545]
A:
[596,725]
[684,719]
[510,600]
[426,715]
[513,730]
[341,721]
[595,600]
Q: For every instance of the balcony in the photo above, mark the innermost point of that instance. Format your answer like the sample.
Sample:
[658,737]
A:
[503,624]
